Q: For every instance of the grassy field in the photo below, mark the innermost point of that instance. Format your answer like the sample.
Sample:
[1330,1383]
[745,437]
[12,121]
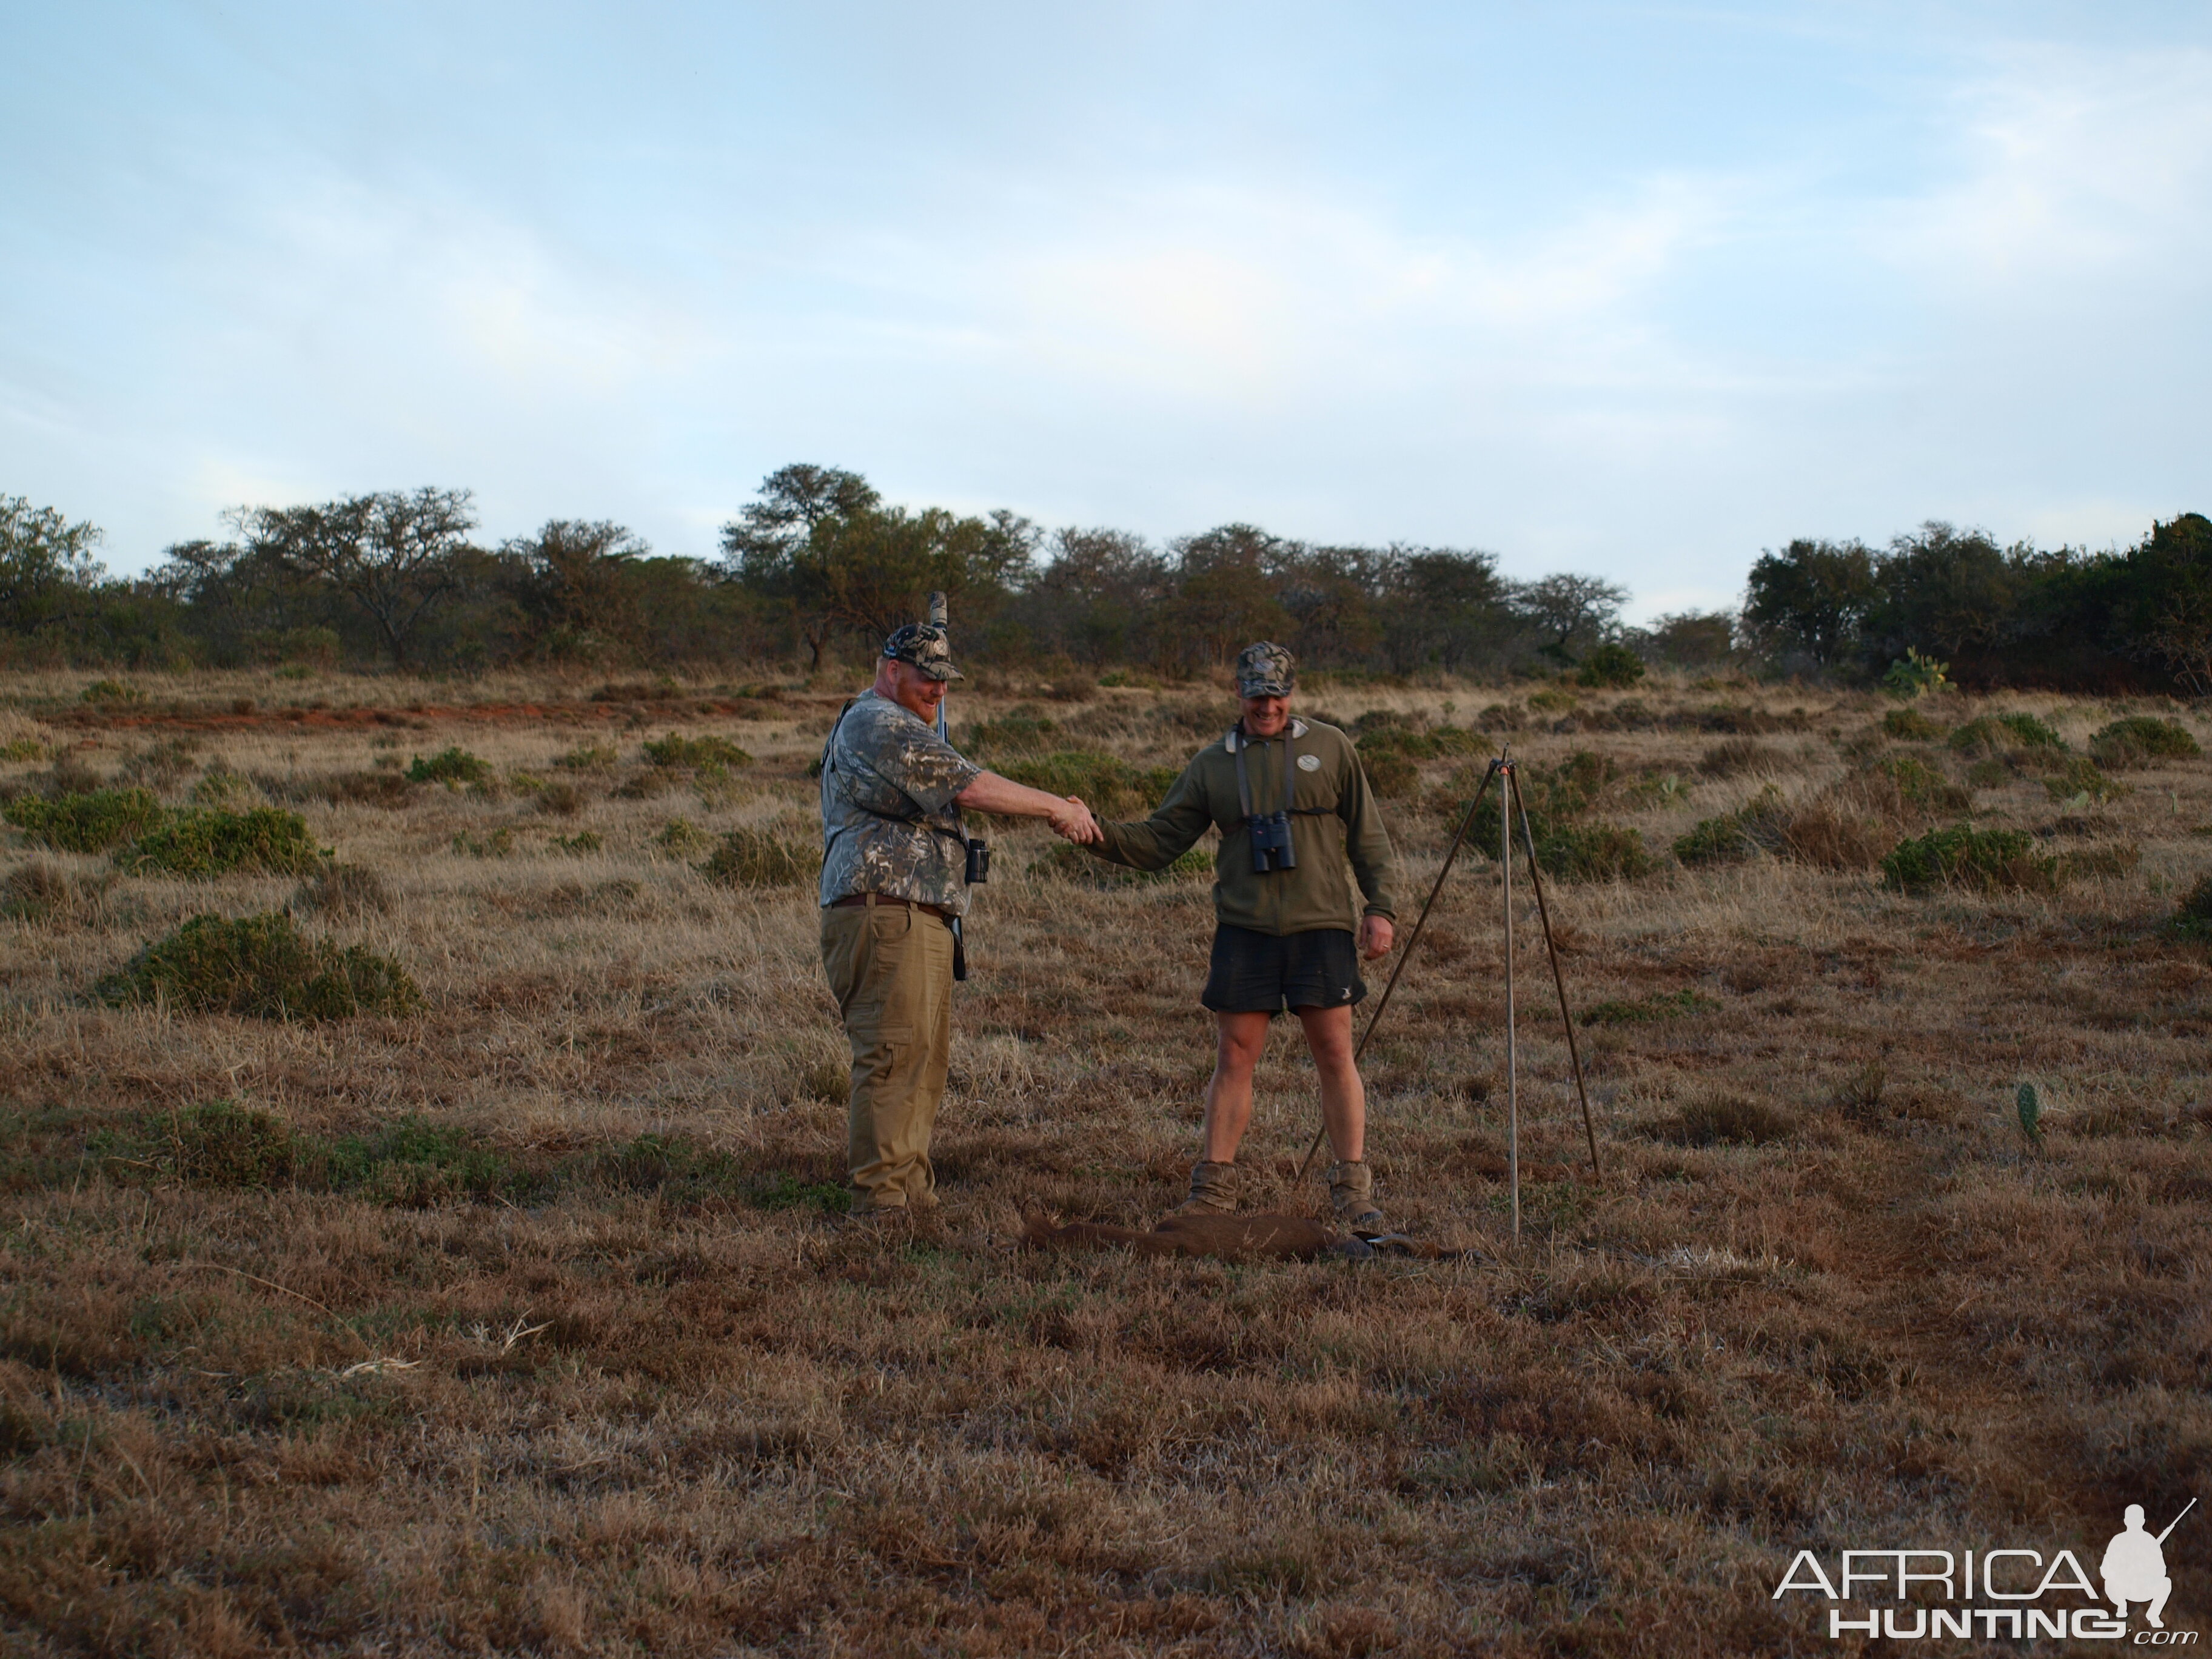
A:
[523,1320]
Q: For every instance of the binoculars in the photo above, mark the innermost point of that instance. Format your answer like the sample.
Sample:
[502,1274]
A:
[979,860]
[1271,842]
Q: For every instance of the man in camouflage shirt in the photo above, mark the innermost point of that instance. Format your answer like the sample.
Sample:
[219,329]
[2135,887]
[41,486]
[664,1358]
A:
[894,877]
[1283,935]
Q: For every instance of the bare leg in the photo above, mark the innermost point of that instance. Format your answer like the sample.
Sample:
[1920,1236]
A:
[1239,1040]
[1343,1096]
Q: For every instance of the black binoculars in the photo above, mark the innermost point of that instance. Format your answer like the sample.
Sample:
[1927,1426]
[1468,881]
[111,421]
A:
[1271,842]
[979,860]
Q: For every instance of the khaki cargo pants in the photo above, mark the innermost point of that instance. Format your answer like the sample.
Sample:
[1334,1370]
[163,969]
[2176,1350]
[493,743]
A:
[891,969]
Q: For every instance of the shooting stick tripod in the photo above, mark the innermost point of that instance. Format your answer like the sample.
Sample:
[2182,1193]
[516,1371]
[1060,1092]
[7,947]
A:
[1510,801]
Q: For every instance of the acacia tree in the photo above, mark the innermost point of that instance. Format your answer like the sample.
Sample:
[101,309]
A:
[575,584]
[780,545]
[1812,597]
[46,566]
[396,557]
[1569,610]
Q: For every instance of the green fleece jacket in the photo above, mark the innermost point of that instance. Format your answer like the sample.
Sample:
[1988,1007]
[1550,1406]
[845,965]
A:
[1335,822]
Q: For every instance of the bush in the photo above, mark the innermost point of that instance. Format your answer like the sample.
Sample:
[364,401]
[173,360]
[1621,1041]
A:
[203,840]
[1727,1121]
[1023,729]
[1594,852]
[2192,919]
[1962,856]
[90,822]
[1910,726]
[451,766]
[681,837]
[587,757]
[1920,785]
[1738,755]
[1644,1011]
[111,692]
[1758,826]
[1998,734]
[223,1143]
[1110,785]
[2140,739]
[754,857]
[263,967]
[2081,781]
[697,754]
[1614,666]
[1390,774]
[344,889]
[1438,742]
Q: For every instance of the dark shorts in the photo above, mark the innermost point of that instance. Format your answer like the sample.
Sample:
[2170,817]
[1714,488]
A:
[1265,973]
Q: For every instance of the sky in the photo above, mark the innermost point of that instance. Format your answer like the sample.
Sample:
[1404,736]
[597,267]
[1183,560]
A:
[1636,290]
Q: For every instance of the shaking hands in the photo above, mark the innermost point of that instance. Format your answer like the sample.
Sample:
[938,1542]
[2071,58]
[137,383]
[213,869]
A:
[1073,822]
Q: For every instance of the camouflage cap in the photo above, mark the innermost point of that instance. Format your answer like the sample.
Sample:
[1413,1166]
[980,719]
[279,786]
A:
[1266,671]
[921,646]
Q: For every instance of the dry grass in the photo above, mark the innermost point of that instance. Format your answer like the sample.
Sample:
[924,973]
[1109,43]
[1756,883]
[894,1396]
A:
[590,1369]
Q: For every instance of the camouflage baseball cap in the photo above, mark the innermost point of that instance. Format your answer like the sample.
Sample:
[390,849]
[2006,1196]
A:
[1266,671]
[923,646]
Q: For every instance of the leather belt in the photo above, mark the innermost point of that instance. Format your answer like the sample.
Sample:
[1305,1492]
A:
[938,911]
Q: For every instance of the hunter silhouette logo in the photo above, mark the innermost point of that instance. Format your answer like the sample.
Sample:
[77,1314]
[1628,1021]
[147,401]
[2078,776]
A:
[2024,1595]
[2134,1568]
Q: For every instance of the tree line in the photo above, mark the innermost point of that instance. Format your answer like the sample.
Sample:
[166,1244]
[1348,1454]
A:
[818,568]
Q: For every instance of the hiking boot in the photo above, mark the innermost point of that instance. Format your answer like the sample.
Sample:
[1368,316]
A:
[1352,1194]
[1213,1190]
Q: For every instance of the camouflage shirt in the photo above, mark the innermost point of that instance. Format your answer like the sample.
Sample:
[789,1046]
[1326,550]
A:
[889,824]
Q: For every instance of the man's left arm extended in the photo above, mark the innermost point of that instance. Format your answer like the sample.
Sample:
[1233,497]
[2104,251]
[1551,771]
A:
[1374,862]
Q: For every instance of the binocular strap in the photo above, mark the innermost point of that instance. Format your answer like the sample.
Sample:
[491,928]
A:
[1290,776]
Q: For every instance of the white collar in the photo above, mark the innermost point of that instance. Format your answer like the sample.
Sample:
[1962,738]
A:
[1297,730]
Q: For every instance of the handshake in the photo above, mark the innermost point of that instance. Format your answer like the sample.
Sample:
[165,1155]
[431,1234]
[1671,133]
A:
[1071,821]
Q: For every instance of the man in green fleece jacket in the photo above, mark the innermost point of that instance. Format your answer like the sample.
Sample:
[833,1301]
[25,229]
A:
[1294,809]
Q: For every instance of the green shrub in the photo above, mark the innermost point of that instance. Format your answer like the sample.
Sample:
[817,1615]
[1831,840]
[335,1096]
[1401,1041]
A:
[90,822]
[411,1164]
[1109,785]
[1921,785]
[2192,919]
[1390,774]
[1910,726]
[681,837]
[1758,826]
[754,857]
[1023,729]
[1614,666]
[499,844]
[22,748]
[263,967]
[1644,1011]
[1727,1121]
[1594,852]
[1437,742]
[587,757]
[451,766]
[1962,856]
[111,692]
[696,754]
[2140,739]
[223,1143]
[1997,734]
[2081,781]
[205,841]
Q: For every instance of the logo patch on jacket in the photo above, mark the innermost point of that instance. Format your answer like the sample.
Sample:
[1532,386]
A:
[1309,762]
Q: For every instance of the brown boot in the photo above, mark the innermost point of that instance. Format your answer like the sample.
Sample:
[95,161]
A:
[1213,1190]
[1351,1194]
